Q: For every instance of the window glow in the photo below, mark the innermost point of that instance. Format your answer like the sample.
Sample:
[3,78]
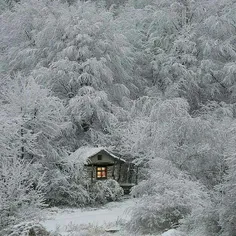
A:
[101,172]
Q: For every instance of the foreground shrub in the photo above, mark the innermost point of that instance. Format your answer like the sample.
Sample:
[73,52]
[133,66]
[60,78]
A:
[26,229]
[20,198]
[67,183]
[202,222]
[167,200]
[105,191]
[65,189]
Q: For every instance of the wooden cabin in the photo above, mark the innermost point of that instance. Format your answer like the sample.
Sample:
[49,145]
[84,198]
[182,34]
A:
[102,164]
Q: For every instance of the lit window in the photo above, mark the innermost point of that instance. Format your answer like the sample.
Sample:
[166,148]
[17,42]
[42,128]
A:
[101,172]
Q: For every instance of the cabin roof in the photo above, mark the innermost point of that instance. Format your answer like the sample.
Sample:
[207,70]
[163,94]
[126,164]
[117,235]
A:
[85,152]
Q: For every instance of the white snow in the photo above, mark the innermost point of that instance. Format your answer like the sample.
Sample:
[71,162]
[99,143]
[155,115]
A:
[171,232]
[110,213]
[109,217]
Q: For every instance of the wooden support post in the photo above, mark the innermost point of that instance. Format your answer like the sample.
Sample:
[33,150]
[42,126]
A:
[136,180]
[127,174]
[131,173]
[113,170]
[119,172]
[92,175]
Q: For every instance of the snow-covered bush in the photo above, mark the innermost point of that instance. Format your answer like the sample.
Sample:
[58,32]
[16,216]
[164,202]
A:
[202,221]
[67,184]
[104,191]
[20,198]
[65,190]
[27,229]
[165,200]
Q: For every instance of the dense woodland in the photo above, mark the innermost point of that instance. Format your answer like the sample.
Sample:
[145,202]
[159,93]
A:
[152,80]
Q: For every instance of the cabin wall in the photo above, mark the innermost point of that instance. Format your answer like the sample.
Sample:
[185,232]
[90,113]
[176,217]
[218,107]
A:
[123,173]
[91,172]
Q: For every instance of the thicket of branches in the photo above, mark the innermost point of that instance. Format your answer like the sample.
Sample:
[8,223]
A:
[153,80]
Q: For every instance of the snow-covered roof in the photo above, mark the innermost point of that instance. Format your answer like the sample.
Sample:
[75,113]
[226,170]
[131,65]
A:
[84,153]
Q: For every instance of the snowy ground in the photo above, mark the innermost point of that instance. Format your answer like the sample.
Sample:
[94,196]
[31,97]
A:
[91,222]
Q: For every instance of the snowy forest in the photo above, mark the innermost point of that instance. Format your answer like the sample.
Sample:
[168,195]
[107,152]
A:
[152,80]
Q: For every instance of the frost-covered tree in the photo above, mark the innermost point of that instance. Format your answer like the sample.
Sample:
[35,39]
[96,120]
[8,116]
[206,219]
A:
[217,55]
[7,4]
[20,198]
[31,119]
[167,131]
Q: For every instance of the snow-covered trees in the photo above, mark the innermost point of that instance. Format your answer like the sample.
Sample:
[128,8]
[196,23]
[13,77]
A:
[69,48]
[180,151]
[189,51]
[33,122]
[155,80]
[30,117]
[227,188]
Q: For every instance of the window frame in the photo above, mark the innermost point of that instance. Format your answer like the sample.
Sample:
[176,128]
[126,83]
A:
[101,171]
